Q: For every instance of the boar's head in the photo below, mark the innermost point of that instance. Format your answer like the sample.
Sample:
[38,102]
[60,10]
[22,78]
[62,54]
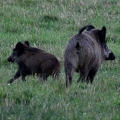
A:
[101,37]
[18,51]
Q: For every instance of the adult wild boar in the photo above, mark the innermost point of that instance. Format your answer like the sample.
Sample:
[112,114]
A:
[85,52]
[33,61]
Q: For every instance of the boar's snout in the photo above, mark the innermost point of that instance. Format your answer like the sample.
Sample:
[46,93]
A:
[111,56]
[11,59]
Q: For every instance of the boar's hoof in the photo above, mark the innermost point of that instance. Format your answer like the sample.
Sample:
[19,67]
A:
[10,81]
[24,80]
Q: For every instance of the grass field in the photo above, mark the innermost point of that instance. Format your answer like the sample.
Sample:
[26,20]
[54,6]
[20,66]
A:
[49,24]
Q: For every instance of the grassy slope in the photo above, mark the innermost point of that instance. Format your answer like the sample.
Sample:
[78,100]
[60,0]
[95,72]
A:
[49,24]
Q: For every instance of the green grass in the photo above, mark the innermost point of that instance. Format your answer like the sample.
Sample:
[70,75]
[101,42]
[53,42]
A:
[49,24]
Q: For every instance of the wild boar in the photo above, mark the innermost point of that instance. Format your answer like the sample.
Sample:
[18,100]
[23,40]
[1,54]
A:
[85,53]
[33,61]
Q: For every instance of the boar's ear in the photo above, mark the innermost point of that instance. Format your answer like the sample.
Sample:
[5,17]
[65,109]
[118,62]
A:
[19,48]
[103,34]
[27,43]
[19,45]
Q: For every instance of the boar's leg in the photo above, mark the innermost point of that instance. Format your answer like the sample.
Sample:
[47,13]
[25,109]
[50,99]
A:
[23,78]
[46,73]
[91,75]
[17,75]
[48,67]
[44,77]
[24,71]
[69,72]
[82,75]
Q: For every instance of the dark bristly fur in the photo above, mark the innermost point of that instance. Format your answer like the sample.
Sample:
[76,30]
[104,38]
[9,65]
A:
[33,61]
[85,52]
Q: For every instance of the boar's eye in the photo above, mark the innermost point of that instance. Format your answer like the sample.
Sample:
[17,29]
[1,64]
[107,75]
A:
[104,45]
[15,52]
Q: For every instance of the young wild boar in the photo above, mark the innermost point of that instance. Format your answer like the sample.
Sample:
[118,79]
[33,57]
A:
[85,52]
[33,61]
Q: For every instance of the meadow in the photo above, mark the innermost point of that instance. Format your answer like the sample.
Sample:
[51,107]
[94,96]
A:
[49,24]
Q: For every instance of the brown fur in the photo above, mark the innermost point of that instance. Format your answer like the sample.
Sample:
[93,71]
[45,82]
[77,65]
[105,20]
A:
[33,61]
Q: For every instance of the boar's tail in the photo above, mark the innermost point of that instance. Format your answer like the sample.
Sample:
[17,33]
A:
[77,47]
[56,70]
[87,27]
